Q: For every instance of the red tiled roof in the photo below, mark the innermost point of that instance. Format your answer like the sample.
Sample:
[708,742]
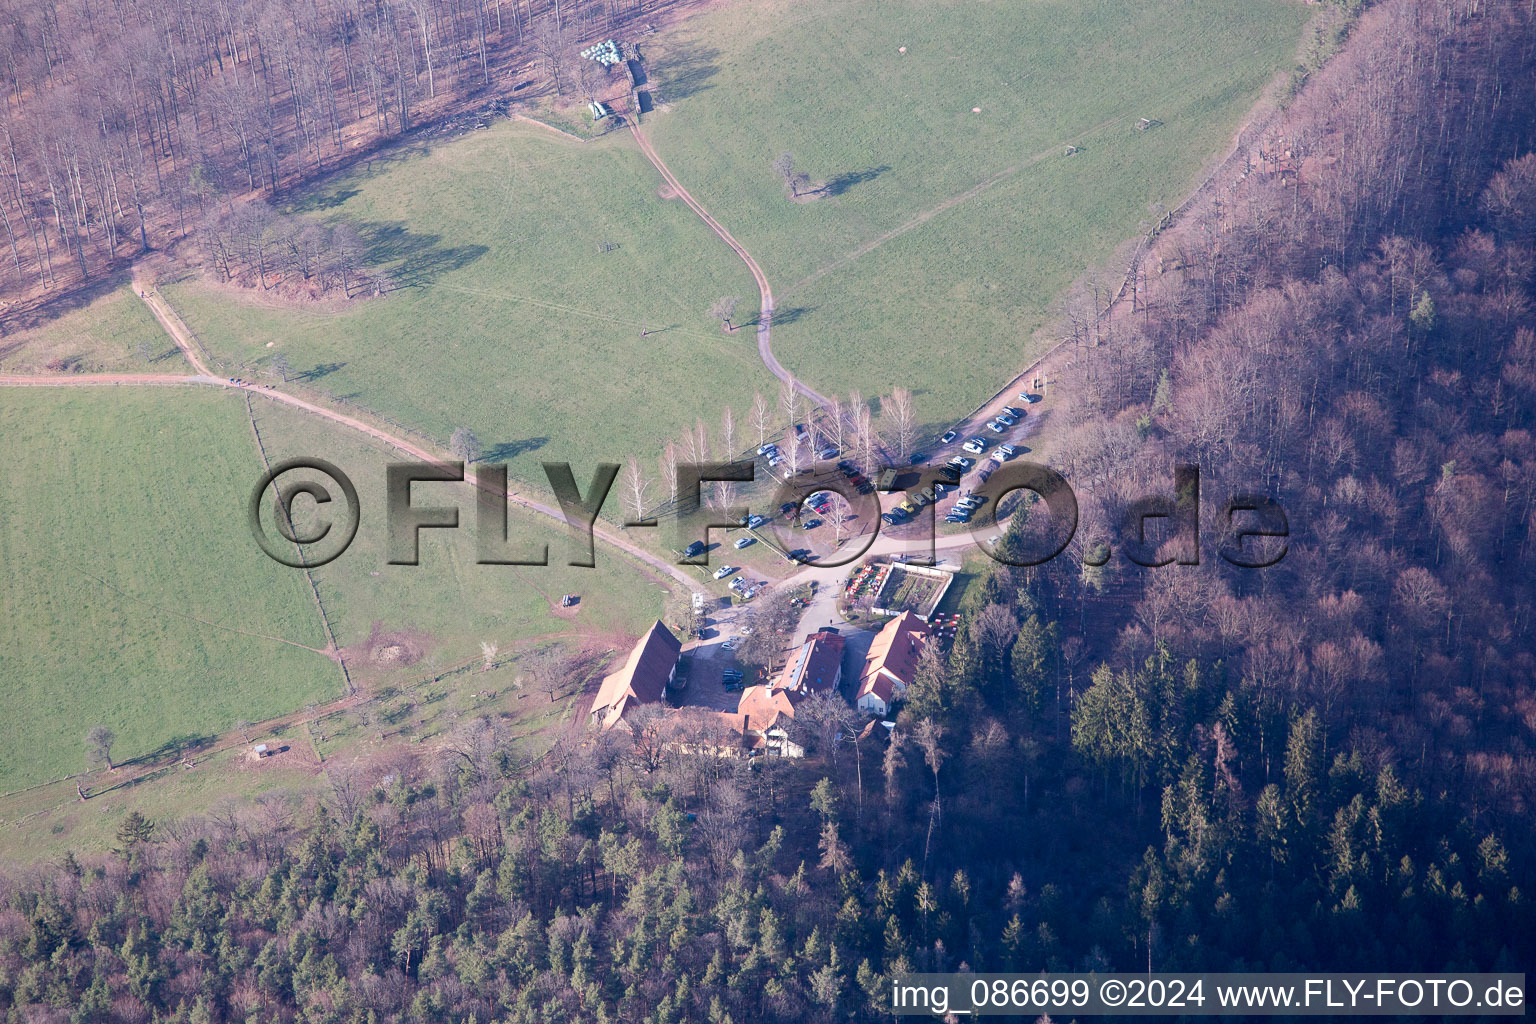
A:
[764,706]
[643,678]
[814,667]
[895,650]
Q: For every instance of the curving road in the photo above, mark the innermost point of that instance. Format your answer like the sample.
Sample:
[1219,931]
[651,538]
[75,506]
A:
[765,305]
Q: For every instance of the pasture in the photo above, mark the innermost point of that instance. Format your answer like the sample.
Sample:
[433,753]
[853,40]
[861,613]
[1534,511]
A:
[443,609]
[941,238]
[133,596]
[137,599]
[509,316]
[102,329]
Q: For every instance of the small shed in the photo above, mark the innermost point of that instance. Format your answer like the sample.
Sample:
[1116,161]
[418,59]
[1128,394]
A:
[261,750]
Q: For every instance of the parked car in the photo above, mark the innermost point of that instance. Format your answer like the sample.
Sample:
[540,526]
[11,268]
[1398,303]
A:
[810,524]
[957,517]
[694,550]
[744,542]
[827,453]
[766,448]
[917,458]
[1024,396]
[754,521]
[949,435]
[995,427]
[728,646]
[961,462]
[1005,419]
[1016,413]
[1009,450]
[724,571]
[977,445]
[888,519]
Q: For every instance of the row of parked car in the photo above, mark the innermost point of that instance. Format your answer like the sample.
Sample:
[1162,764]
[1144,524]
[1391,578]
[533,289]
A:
[774,455]
[965,507]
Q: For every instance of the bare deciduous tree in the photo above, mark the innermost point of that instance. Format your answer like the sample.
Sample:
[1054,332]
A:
[464,444]
[762,418]
[635,486]
[98,746]
[723,310]
[902,417]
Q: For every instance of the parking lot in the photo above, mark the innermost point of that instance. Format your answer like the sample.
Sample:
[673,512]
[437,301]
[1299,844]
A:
[705,686]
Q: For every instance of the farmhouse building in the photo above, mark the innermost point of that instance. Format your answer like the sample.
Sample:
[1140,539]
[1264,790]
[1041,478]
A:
[768,712]
[891,663]
[643,678]
[817,667]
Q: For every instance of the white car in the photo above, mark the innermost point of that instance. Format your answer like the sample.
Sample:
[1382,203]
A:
[996,427]
[1005,419]
[999,455]
[961,462]
[724,571]
[745,542]
[976,445]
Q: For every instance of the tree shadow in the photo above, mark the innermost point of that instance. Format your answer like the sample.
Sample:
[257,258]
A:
[508,450]
[783,316]
[315,373]
[417,259]
[327,199]
[24,316]
[174,748]
[686,73]
[843,182]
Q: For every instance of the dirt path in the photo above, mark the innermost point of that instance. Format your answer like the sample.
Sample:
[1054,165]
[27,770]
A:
[178,332]
[925,216]
[765,315]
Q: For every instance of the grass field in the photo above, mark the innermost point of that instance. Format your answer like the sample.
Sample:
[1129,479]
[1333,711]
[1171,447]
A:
[941,243]
[901,278]
[508,318]
[107,329]
[449,604]
[133,597]
[43,823]
[137,599]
